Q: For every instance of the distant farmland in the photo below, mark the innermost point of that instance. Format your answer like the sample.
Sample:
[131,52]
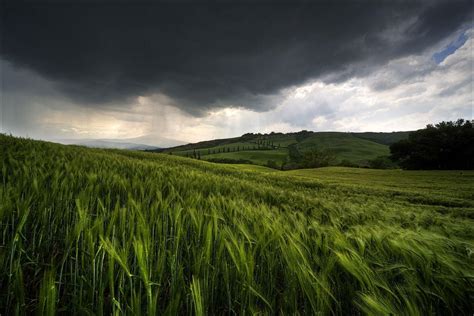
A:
[90,231]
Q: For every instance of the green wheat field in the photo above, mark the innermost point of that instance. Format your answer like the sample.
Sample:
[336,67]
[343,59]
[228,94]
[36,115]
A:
[100,232]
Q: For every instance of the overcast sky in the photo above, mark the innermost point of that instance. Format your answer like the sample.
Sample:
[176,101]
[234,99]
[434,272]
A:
[195,71]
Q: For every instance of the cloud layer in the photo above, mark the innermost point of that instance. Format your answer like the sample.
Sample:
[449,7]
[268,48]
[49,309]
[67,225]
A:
[193,72]
[205,56]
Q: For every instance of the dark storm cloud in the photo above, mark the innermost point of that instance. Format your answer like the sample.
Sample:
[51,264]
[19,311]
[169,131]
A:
[205,55]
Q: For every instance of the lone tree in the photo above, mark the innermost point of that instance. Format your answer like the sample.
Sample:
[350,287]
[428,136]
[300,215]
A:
[446,145]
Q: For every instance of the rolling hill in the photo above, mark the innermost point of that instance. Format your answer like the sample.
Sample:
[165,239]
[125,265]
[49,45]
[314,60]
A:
[382,138]
[348,148]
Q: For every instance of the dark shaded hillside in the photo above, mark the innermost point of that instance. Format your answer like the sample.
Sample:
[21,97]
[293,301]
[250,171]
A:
[383,138]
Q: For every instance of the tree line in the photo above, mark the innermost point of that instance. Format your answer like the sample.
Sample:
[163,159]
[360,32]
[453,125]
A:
[261,144]
[446,145]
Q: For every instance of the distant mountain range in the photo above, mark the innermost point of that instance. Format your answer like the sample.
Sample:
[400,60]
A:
[99,143]
[147,142]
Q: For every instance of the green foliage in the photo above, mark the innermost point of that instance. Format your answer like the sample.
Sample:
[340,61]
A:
[313,158]
[302,135]
[347,163]
[47,295]
[100,232]
[294,155]
[382,162]
[273,164]
[446,145]
[318,158]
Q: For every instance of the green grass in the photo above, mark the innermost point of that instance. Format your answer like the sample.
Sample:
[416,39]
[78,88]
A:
[442,183]
[345,146]
[382,138]
[89,231]
[249,167]
[283,140]
[258,157]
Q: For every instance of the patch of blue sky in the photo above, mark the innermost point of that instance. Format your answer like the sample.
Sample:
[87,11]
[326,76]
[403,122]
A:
[438,57]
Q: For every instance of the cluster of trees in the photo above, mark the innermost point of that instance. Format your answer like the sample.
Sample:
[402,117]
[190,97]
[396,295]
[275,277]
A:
[446,145]
[265,144]
[251,136]
[300,136]
[382,162]
[314,158]
[197,154]
[226,149]
[273,164]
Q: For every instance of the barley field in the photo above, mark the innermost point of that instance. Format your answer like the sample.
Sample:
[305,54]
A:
[100,232]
